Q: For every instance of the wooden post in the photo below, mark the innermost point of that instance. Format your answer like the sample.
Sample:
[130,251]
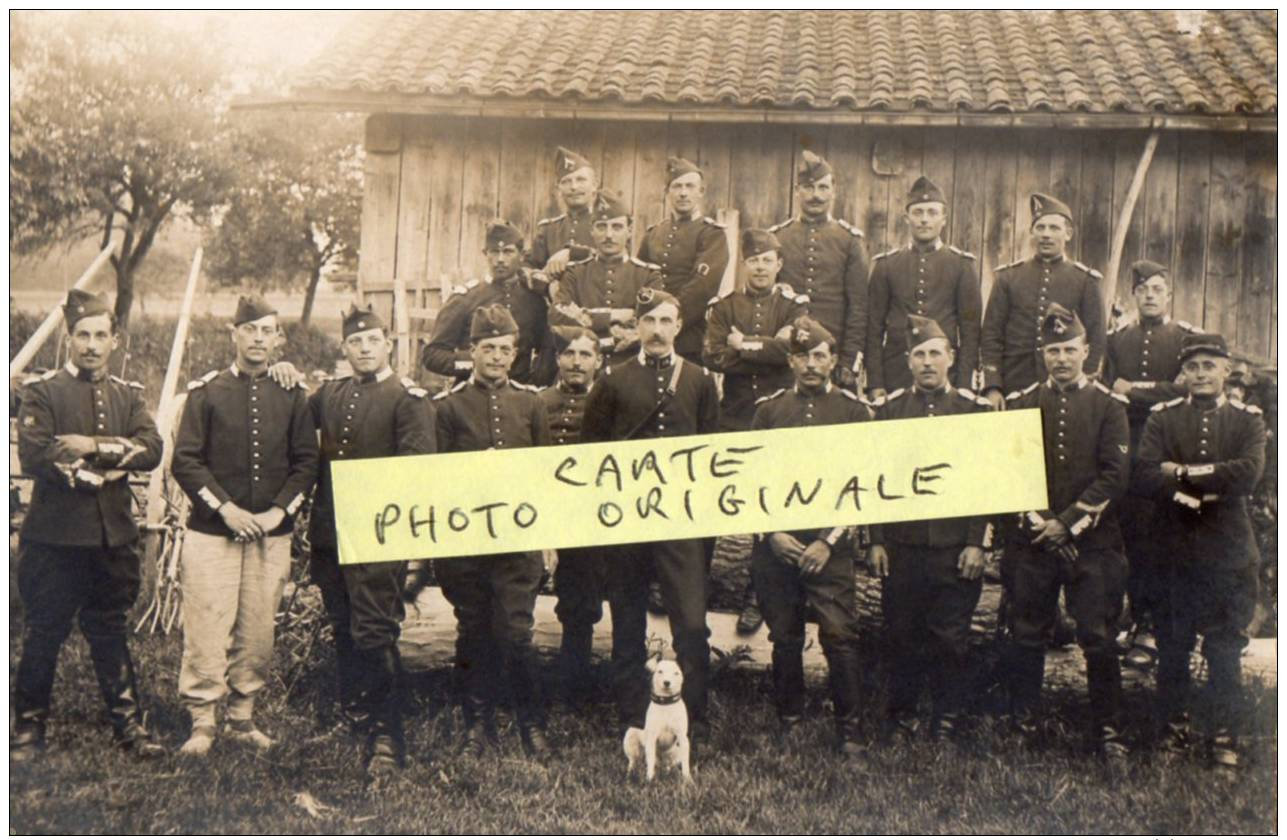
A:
[401,325]
[55,318]
[731,220]
[1124,222]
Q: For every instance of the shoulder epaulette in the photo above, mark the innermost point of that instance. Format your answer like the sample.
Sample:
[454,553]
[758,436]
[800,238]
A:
[1109,391]
[551,220]
[1250,409]
[708,220]
[1092,272]
[1123,325]
[645,264]
[780,225]
[524,387]
[855,231]
[779,392]
[893,395]
[339,377]
[850,395]
[888,253]
[41,377]
[203,381]
[973,397]
[960,253]
[1008,265]
[588,259]
[128,382]
[715,300]
[653,225]
[1014,395]
[789,293]
[464,287]
[413,388]
[1185,325]
[1162,406]
[451,389]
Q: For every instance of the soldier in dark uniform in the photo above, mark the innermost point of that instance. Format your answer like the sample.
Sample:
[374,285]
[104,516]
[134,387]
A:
[599,292]
[823,259]
[691,251]
[1143,364]
[80,431]
[1010,346]
[927,279]
[931,571]
[368,414]
[511,285]
[566,237]
[656,395]
[799,574]
[578,578]
[1076,544]
[494,595]
[246,455]
[1200,458]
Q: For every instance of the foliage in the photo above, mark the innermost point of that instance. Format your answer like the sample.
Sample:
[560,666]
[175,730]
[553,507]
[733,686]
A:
[294,213]
[115,127]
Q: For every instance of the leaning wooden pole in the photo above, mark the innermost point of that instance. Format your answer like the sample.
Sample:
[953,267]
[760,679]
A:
[55,318]
[1124,222]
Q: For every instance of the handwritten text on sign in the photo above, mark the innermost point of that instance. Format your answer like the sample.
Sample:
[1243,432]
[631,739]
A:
[469,503]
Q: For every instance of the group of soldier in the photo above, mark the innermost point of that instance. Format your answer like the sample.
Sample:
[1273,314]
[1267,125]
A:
[576,340]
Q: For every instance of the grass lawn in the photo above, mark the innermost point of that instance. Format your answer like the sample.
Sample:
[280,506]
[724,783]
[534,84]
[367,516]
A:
[745,782]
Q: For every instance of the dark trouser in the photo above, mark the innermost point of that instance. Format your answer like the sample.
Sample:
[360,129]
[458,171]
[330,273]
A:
[1136,516]
[364,604]
[1218,604]
[578,583]
[493,597]
[787,598]
[1093,591]
[928,607]
[94,585]
[680,567]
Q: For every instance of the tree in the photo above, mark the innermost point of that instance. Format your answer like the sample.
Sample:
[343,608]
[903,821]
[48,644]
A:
[116,126]
[294,212]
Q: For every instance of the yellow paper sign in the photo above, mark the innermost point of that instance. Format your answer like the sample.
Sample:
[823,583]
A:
[469,503]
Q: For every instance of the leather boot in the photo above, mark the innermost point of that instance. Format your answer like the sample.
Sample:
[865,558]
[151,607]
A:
[845,680]
[576,674]
[788,681]
[386,744]
[479,716]
[115,671]
[1104,685]
[750,619]
[350,678]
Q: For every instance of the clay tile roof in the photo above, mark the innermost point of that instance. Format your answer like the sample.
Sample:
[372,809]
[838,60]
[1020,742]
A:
[1216,62]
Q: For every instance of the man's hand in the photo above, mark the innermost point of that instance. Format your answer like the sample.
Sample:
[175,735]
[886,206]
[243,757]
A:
[784,333]
[625,335]
[1053,532]
[736,339]
[623,316]
[286,375]
[878,561]
[844,377]
[969,563]
[242,523]
[995,397]
[270,519]
[1171,470]
[878,394]
[786,547]
[576,313]
[558,262]
[815,557]
[1122,386]
[71,447]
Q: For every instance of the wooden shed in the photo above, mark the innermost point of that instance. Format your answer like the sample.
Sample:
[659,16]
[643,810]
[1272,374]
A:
[466,107]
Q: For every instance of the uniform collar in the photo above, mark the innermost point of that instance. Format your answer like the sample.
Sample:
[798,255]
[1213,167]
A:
[565,388]
[617,260]
[379,376]
[1219,402]
[945,388]
[1052,261]
[1077,384]
[820,221]
[483,386]
[752,293]
[825,389]
[238,372]
[579,212]
[84,375]
[1163,321]
[936,245]
[655,361]
[516,280]
[675,219]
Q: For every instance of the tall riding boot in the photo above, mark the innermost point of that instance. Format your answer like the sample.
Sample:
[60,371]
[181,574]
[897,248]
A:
[905,669]
[1104,684]
[350,672]
[1225,669]
[576,674]
[788,683]
[476,706]
[846,688]
[529,709]
[1027,671]
[386,745]
[115,671]
[948,685]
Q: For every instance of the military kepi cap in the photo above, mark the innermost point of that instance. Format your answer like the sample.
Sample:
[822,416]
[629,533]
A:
[649,299]
[678,167]
[807,334]
[756,242]
[921,330]
[564,336]
[1045,205]
[360,320]
[82,304]
[1194,343]
[252,308]
[924,191]
[1060,325]
[491,321]
[811,168]
[1145,270]
[609,205]
[501,233]
[567,161]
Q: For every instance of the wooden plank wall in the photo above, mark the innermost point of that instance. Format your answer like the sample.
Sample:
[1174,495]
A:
[1208,207]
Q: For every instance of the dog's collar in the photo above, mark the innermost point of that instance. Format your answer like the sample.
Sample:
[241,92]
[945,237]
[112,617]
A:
[666,701]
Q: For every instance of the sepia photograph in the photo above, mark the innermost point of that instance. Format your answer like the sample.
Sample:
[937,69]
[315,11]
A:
[621,422]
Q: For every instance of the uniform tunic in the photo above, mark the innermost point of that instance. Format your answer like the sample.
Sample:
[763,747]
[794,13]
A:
[759,367]
[244,439]
[599,285]
[691,255]
[1148,356]
[474,416]
[564,410]
[623,404]
[939,282]
[825,261]
[562,231]
[1010,346]
[448,350]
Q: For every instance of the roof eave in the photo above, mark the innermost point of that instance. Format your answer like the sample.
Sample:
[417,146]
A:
[421,105]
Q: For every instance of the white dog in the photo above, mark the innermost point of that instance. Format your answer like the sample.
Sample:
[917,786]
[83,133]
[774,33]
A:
[665,733]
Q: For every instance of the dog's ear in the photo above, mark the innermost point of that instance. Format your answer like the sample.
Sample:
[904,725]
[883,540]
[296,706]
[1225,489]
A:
[653,662]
